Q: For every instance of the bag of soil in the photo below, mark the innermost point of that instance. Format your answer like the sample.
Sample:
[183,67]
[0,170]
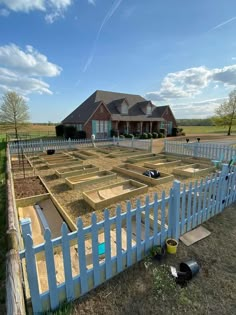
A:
[152,173]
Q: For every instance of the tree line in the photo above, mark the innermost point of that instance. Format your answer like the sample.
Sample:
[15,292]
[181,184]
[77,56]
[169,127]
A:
[195,122]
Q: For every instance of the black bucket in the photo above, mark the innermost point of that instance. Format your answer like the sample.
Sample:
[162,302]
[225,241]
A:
[50,151]
[190,267]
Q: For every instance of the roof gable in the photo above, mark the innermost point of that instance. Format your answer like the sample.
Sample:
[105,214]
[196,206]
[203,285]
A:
[83,111]
[137,106]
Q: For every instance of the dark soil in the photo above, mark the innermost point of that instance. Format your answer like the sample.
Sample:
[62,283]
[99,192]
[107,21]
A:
[20,166]
[27,187]
[211,291]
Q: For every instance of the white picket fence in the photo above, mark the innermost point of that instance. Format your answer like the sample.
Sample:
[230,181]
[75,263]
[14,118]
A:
[201,150]
[146,225]
[43,145]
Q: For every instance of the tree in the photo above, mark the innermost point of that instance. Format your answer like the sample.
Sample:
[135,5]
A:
[14,110]
[226,112]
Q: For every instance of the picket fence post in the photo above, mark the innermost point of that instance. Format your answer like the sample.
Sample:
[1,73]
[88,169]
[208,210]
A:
[41,144]
[174,211]
[26,228]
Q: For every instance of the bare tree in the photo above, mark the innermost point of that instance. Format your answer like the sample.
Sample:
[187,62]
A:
[14,111]
[226,113]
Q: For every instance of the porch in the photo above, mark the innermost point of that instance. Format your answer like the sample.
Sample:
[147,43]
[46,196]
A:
[140,127]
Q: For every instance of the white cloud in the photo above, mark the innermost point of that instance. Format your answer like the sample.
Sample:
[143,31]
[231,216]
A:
[29,61]
[200,109]
[60,4]
[191,82]
[93,2]
[233,58]
[53,8]
[52,17]
[22,71]
[24,5]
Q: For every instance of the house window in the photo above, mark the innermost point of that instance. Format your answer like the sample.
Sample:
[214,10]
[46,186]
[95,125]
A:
[79,127]
[105,125]
[149,109]
[101,126]
[97,126]
[124,108]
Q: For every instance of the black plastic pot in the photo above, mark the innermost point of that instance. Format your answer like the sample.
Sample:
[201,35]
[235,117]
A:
[160,255]
[190,268]
[50,151]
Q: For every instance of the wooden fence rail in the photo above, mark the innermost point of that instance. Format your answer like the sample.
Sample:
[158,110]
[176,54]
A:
[14,280]
[128,237]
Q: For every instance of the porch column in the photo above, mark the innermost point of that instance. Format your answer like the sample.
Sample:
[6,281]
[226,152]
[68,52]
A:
[141,127]
[127,127]
[150,126]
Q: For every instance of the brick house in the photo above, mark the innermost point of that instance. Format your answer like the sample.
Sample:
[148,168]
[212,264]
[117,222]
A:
[104,111]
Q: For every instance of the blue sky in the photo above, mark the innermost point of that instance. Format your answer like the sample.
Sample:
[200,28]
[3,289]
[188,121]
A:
[56,53]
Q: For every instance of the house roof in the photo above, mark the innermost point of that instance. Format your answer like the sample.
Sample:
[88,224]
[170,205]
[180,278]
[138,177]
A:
[113,100]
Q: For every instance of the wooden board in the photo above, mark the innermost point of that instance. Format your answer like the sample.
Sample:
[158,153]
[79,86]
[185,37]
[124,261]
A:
[195,235]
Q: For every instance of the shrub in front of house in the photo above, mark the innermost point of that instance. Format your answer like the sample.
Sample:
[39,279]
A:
[144,136]
[69,132]
[114,133]
[130,135]
[163,130]
[161,135]
[155,135]
[149,135]
[122,136]
[80,134]
[59,130]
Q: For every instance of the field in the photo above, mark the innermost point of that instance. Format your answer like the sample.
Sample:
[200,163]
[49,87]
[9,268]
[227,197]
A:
[29,131]
[189,130]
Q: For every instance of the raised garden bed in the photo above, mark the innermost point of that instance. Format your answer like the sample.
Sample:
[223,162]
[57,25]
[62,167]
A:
[18,166]
[55,164]
[91,178]
[144,157]
[162,162]
[123,153]
[76,170]
[192,170]
[85,154]
[103,197]
[29,186]
[136,172]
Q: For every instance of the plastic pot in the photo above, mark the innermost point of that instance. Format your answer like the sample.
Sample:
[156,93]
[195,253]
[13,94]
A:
[190,267]
[160,255]
[171,245]
[50,151]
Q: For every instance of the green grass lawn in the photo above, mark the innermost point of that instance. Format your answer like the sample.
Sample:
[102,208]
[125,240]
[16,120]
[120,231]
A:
[206,129]
[29,131]
[3,246]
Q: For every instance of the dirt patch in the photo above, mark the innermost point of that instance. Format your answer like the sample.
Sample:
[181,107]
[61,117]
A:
[27,187]
[16,165]
[212,291]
